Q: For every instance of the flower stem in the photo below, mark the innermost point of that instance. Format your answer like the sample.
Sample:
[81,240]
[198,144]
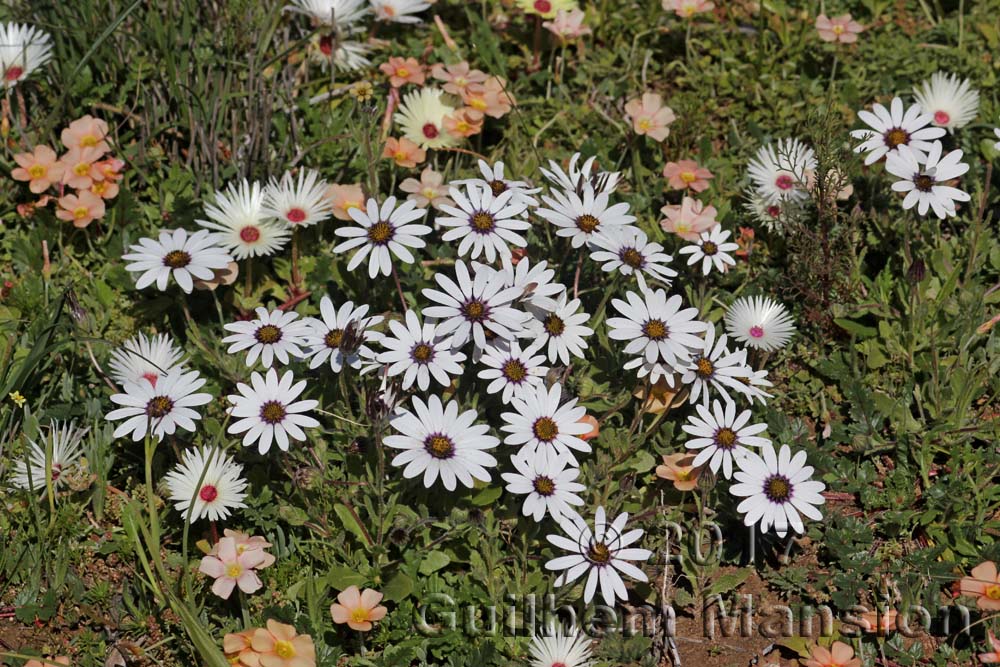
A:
[399,288]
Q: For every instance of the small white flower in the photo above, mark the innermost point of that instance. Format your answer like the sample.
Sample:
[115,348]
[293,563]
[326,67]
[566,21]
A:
[657,328]
[543,427]
[895,127]
[512,371]
[159,409]
[603,554]
[759,322]
[399,11]
[538,295]
[925,186]
[576,179]
[298,202]
[419,353]
[272,334]
[144,359]
[342,14]
[951,101]
[550,486]
[563,330]
[421,117]
[240,224]
[561,650]
[493,178]
[722,436]
[210,479]
[711,250]
[440,441]
[176,254]
[580,217]
[486,224]
[779,173]
[774,216]
[628,250]
[776,489]
[714,367]
[268,411]
[63,440]
[23,49]
[380,231]
[341,335]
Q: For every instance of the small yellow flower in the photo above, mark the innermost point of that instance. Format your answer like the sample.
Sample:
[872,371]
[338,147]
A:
[362,91]
[18,398]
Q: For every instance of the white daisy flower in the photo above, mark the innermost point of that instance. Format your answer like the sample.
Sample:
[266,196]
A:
[780,172]
[538,295]
[159,409]
[23,49]
[760,322]
[512,371]
[722,436]
[603,554]
[711,250]
[268,411]
[176,254]
[440,441]
[657,328]
[776,489]
[399,11]
[544,428]
[341,335]
[342,14]
[714,367]
[298,202]
[473,305]
[272,334]
[550,486]
[380,231]
[210,479]
[628,250]
[486,224]
[419,353]
[240,224]
[63,440]
[351,55]
[895,127]
[493,178]
[561,650]
[421,117]
[581,217]
[563,330]
[144,359]
[575,179]
[926,185]
[774,216]
[951,101]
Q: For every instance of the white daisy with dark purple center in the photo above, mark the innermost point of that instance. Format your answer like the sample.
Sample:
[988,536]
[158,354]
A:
[657,329]
[548,484]
[888,129]
[176,254]
[341,336]
[240,224]
[780,171]
[563,330]
[486,224]
[537,293]
[629,251]
[715,368]
[161,408]
[512,371]
[493,178]
[712,250]
[61,445]
[382,231]
[580,217]
[206,484]
[141,358]
[759,322]
[925,182]
[722,436]
[298,202]
[544,426]
[272,335]
[951,100]
[419,352]
[266,411]
[440,441]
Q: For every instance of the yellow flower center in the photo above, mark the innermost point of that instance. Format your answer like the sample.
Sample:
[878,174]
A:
[359,615]
[429,193]
[348,205]
[645,124]
[80,212]
[402,72]
[478,103]
[993,592]
[88,141]
[684,474]
[99,187]
[838,30]
[233,571]
[37,170]
[682,227]
[284,649]
[688,177]
[81,169]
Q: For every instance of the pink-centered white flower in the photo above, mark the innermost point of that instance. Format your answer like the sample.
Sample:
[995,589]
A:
[206,484]
[239,223]
[298,202]
[951,100]
[142,359]
[759,322]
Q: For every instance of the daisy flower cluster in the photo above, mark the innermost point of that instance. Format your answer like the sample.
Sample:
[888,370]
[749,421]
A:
[80,181]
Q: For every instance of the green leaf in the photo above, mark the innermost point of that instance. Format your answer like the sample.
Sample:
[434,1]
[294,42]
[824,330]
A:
[728,582]
[340,577]
[434,561]
[487,496]
[350,523]
[398,588]
[855,329]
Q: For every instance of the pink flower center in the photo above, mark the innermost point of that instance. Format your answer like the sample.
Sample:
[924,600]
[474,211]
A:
[151,377]
[296,215]
[784,182]
[774,211]
[756,332]
[250,234]
[56,471]
[543,6]
[13,73]
[326,45]
[941,118]
[208,493]
[430,131]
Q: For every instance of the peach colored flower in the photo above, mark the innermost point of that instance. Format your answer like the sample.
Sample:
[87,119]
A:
[404,152]
[464,122]
[841,28]
[224,276]
[658,398]
[280,646]
[595,427]
[41,168]
[48,662]
[491,98]
[879,622]
[238,648]
[567,25]
[678,469]
[111,168]
[230,568]
[86,132]
[244,543]
[105,189]
[687,174]
[689,219]
[994,655]
[81,209]
[358,609]
[80,169]
[457,77]
[838,655]
[430,190]
[402,71]
[688,8]
[650,117]
[345,197]
[984,585]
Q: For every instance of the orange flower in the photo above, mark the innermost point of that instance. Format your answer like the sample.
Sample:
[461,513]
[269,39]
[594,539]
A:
[879,622]
[105,189]
[430,190]
[238,648]
[595,427]
[994,655]
[678,469]
[80,170]
[280,646]
[984,585]
[40,168]
[404,152]
[358,609]
[458,77]
[245,542]
[490,97]
[650,116]
[111,168]
[343,198]
[86,132]
[660,397]
[402,71]
[80,209]
[689,219]
[838,655]
[687,174]
[464,123]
